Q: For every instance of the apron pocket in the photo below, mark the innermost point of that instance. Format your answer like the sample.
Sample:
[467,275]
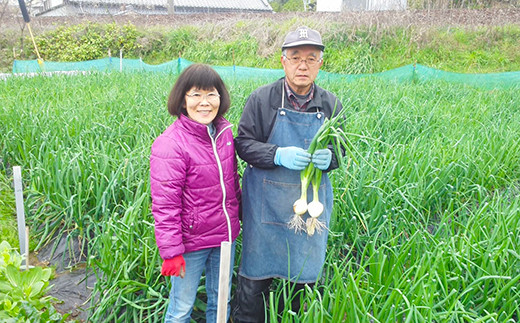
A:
[278,200]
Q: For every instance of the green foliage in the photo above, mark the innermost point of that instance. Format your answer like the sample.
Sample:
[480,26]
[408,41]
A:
[88,41]
[292,5]
[8,48]
[179,40]
[8,256]
[7,212]
[425,228]
[472,52]
[350,50]
[425,225]
[223,52]
[276,6]
[22,293]
[256,43]
[456,4]
[158,45]
[370,50]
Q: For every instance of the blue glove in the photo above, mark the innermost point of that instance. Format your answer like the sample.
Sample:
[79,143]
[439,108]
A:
[321,158]
[294,158]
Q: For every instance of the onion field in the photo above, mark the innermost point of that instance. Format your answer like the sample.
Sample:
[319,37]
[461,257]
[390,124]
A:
[426,223]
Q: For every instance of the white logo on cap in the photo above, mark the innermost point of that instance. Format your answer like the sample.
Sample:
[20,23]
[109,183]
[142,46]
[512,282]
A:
[303,33]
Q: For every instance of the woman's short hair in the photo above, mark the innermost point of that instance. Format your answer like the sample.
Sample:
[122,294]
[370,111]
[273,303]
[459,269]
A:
[200,76]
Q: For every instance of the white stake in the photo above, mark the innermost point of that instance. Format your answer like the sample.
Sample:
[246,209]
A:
[20,213]
[223,281]
[27,249]
[121,60]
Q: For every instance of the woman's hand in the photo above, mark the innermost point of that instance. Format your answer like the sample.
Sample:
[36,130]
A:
[174,267]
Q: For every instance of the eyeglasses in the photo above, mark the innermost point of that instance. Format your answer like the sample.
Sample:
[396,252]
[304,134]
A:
[310,61]
[198,97]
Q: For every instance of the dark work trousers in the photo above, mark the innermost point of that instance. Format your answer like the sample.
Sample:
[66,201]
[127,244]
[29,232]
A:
[252,297]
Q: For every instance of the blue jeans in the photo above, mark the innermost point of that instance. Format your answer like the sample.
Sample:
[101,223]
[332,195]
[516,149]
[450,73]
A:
[184,290]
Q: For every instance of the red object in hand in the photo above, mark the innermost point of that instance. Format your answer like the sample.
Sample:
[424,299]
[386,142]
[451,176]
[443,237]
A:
[174,267]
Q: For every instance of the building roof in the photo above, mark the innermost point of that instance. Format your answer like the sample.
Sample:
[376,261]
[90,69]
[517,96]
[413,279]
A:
[236,4]
[256,5]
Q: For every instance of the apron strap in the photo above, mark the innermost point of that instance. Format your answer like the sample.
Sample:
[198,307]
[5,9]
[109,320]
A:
[283,93]
[318,114]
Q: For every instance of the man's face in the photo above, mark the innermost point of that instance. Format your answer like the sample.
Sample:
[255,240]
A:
[301,66]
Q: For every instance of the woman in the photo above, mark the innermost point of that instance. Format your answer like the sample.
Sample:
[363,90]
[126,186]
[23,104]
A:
[195,190]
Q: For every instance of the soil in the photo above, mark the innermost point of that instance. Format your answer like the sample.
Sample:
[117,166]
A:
[73,282]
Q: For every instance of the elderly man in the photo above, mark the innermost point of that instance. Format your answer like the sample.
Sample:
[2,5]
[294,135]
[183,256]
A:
[274,132]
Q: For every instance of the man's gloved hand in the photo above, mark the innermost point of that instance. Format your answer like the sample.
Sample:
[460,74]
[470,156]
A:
[174,267]
[321,158]
[294,158]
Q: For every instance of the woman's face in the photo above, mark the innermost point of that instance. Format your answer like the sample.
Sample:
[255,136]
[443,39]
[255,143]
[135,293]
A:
[202,105]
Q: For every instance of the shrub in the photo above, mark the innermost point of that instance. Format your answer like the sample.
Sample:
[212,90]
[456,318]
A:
[88,41]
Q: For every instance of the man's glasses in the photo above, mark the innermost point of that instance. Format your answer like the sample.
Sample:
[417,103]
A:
[198,97]
[310,61]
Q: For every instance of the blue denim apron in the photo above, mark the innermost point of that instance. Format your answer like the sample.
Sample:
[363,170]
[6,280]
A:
[269,247]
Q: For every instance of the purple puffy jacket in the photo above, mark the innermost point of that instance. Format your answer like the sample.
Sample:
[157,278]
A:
[195,187]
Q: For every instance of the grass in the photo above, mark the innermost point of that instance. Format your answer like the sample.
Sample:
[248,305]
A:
[351,49]
[425,226]
[348,50]
[8,226]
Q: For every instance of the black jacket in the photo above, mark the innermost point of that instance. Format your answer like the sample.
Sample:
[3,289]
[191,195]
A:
[258,118]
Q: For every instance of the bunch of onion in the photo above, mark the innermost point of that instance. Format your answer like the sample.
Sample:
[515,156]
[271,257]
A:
[330,135]
[315,208]
[300,206]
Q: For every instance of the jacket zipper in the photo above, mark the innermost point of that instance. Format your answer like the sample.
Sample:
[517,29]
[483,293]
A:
[221,177]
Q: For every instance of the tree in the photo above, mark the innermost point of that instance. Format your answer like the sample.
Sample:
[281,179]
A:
[293,5]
